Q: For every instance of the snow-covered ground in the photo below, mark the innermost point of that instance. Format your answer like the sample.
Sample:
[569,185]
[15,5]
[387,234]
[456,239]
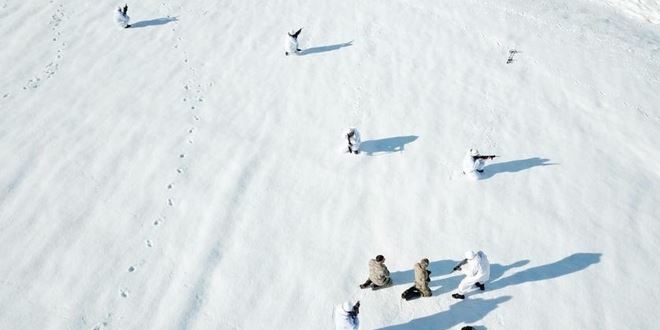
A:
[185,174]
[647,10]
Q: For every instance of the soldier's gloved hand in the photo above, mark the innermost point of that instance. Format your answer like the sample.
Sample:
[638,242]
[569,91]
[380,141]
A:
[457,268]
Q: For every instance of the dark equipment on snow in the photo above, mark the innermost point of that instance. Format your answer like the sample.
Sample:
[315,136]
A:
[356,309]
[458,266]
[512,52]
[413,292]
[295,34]
[484,157]
[373,286]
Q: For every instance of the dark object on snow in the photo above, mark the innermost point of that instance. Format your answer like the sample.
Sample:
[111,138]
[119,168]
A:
[484,157]
[349,136]
[124,10]
[356,309]
[458,296]
[411,293]
[295,34]
[373,286]
[482,287]
[468,328]
[511,53]
[463,262]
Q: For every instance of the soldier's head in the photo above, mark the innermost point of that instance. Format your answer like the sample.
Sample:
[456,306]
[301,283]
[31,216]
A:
[424,262]
[469,255]
[347,306]
[380,258]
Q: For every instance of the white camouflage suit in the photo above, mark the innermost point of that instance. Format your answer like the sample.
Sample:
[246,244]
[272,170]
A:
[120,18]
[477,270]
[470,164]
[353,137]
[290,44]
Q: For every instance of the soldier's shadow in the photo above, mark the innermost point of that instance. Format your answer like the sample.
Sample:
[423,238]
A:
[460,312]
[155,21]
[323,49]
[387,145]
[570,264]
[514,166]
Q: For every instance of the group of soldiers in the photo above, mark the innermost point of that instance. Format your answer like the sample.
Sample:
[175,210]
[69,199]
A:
[475,266]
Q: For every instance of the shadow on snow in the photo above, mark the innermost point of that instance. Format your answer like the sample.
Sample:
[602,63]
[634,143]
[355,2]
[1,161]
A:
[474,309]
[514,166]
[571,264]
[463,311]
[151,22]
[387,145]
[323,49]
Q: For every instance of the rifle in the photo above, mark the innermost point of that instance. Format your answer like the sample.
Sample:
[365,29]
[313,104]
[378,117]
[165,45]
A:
[484,157]
[458,266]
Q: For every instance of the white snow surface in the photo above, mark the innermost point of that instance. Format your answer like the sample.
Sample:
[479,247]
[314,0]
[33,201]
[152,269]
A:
[646,10]
[185,174]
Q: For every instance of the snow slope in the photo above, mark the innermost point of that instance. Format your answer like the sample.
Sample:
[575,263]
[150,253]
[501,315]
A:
[185,174]
[646,10]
